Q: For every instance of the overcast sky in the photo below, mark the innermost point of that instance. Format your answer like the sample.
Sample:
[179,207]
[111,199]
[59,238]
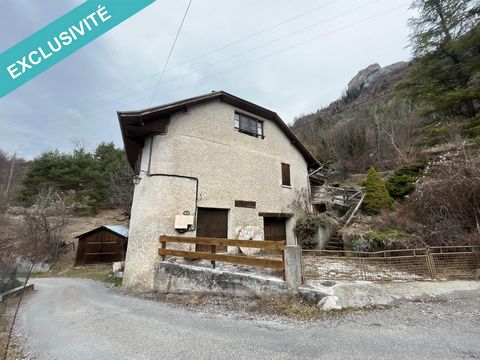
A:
[78,98]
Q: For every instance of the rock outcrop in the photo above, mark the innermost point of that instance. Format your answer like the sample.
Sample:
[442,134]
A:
[370,74]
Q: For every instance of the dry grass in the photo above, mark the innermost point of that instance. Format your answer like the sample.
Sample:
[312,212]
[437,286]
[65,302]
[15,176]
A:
[287,307]
[64,268]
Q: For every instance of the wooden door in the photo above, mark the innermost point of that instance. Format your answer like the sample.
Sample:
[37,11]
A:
[274,229]
[212,223]
[102,247]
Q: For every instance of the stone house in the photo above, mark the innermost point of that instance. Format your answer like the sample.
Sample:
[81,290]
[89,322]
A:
[211,166]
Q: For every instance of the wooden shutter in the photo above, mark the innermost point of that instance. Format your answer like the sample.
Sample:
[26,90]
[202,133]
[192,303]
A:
[286,174]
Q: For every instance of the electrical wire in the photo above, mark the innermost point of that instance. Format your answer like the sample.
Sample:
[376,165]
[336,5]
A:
[171,51]
[131,84]
[265,56]
[257,59]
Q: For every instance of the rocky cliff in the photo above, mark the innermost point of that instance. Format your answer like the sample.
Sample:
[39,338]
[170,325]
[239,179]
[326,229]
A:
[363,126]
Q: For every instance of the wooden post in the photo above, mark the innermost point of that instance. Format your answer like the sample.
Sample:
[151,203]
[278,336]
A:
[364,272]
[213,250]
[430,263]
[162,246]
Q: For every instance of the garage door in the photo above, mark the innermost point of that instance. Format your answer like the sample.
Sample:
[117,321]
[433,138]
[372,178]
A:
[212,223]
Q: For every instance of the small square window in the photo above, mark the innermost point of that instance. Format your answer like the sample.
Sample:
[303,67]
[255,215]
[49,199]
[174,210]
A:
[248,125]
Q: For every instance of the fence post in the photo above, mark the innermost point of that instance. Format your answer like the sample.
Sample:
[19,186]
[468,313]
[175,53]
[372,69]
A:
[162,246]
[364,273]
[430,263]
[293,266]
[213,250]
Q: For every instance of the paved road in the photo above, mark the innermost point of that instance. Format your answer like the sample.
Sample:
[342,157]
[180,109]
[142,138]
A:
[82,319]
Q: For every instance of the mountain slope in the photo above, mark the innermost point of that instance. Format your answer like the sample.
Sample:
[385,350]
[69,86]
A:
[367,126]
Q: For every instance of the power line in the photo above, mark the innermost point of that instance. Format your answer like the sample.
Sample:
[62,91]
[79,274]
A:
[263,45]
[290,47]
[271,41]
[266,56]
[269,54]
[171,51]
[130,84]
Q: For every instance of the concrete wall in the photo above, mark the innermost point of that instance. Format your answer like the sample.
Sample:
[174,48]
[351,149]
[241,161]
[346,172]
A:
[186,279]
[325,233]
[230,166]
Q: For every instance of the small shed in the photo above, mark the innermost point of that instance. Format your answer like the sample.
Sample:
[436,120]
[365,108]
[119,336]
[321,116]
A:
[105,244]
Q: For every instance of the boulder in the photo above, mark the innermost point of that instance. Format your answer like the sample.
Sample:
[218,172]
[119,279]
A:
[329,303]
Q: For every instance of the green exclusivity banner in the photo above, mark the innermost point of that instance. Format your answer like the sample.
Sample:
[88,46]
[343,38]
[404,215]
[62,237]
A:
[61,38]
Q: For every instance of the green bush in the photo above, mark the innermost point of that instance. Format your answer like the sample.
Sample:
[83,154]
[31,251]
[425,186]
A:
[402,182]
[376,194]
[382,240]
[306,229]
[472,127]
[361,244]
[434,134]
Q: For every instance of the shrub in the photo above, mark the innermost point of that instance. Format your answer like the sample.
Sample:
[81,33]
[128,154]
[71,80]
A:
[383,240]
[306,229]
[472,127]
[402,182]
[389,239]
[434,134]
[447,200]
[361,244]
[376,194]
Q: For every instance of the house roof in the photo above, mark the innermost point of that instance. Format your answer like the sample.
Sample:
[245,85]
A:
[135,124]
[116,229]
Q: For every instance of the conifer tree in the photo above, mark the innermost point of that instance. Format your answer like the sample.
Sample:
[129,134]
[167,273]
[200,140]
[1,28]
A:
[445,40]
[376,194]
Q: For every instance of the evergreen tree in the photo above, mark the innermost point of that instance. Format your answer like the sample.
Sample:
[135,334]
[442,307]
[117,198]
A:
[376,194]
[87,175]
[445,39]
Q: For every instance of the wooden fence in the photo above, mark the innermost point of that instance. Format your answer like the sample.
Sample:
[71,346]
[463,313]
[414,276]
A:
[66,249]
[213,256]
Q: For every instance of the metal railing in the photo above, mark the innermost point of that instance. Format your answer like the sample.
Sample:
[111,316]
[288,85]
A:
[447,262]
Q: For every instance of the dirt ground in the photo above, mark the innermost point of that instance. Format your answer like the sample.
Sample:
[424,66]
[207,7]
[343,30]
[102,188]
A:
[80,225]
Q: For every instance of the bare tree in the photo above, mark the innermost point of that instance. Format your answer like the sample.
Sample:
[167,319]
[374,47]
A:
[302,202]
[45,222]
[121,187]
[447,201]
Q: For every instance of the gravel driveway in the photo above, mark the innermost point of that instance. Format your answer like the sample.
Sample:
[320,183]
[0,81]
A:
[83,319]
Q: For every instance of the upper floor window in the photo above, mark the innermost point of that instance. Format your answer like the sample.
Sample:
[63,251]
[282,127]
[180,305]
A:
[286,175]
[248,125]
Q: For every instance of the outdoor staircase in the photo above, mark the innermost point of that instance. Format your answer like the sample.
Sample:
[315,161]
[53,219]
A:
[354,200]
[335,242]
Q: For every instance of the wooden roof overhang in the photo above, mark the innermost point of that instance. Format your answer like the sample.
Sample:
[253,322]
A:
[138,125]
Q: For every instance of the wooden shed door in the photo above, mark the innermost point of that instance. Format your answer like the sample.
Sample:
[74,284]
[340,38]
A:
[101,248]
[212,223]
[274,229]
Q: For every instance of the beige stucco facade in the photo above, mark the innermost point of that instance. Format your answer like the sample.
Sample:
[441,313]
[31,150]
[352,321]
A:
[202,143]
